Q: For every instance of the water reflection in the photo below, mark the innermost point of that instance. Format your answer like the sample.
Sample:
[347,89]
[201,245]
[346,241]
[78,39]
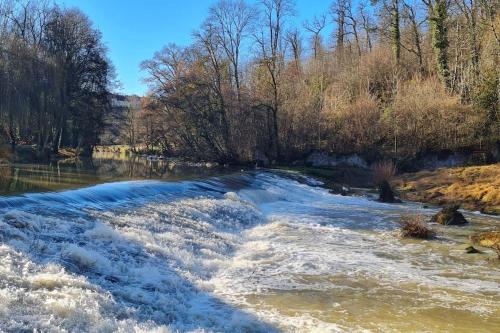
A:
[104,167]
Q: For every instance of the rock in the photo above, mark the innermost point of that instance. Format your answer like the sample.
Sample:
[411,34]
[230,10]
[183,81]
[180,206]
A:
[486,239]
[472,249]
[386,194]
[449,215]
[338,189]
[261,159]
[345,191]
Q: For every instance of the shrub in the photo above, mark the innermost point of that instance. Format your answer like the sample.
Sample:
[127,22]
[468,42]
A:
[414,226]
[383,171]
[353,125]
[424,116]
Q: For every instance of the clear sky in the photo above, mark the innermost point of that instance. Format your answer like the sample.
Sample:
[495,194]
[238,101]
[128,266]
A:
[134,30]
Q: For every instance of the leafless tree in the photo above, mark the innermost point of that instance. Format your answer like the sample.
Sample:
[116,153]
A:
[232,20]
[315,27]
[294,39]
[270,41]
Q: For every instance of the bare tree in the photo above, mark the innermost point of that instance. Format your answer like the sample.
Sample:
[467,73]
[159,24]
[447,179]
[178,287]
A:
[352,21]
[294,39]
[338,11]
[470,10]
[410,16]
[368,26]
[270,41]
[315,27]
[208,39]
[232,20]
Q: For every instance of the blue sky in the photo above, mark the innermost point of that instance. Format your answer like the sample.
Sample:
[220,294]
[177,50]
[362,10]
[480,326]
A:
[134,30]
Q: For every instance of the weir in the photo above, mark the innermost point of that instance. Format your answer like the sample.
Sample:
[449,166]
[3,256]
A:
[251,251]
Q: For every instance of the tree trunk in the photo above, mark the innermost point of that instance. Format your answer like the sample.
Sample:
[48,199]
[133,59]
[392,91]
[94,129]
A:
[438,16]
[395,30]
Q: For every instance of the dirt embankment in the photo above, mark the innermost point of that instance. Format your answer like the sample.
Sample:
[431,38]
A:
[474,188]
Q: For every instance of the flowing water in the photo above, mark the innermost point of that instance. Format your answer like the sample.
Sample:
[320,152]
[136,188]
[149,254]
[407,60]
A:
[246,252]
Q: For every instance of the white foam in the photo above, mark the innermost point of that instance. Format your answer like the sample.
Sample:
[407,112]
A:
[195,262]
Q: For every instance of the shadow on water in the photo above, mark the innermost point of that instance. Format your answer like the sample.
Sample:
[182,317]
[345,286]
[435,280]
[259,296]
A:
[104,234]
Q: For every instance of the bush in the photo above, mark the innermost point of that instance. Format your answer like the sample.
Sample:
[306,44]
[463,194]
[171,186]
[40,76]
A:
[414,226]
[353,126]
[425,117]
[383,171]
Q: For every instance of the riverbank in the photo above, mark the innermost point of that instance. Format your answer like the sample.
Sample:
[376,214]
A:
[30,154]
[475,188]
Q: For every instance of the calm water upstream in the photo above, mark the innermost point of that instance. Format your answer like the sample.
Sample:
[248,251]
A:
[134,246]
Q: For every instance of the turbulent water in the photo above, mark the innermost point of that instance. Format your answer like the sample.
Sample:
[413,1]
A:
[250,252]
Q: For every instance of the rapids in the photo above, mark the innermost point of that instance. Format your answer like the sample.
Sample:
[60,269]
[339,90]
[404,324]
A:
[247,252]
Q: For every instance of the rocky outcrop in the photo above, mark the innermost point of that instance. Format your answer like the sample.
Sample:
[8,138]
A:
[450,215]
[442,160]
[486,239]
[322,159]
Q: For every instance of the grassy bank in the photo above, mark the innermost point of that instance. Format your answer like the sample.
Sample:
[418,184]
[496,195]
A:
[474,188]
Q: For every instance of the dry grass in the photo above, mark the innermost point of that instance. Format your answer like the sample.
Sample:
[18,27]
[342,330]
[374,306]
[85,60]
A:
[474,188]
[383,171]
[414,226]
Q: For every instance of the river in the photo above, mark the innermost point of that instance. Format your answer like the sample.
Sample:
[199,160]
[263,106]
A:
[147,246]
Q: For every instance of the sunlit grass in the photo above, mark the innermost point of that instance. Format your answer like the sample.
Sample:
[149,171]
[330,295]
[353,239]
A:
[476,187]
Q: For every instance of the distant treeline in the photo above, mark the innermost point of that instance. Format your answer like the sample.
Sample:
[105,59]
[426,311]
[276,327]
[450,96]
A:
[54,77]
[396,78]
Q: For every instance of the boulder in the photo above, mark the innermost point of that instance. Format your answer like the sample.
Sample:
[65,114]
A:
[472,249]
[449,215]
[386,194]
[486,239]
